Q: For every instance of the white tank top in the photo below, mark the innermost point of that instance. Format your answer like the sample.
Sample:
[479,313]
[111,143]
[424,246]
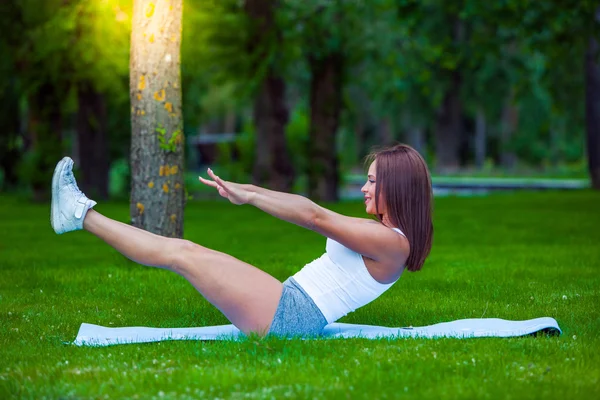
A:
[339,282]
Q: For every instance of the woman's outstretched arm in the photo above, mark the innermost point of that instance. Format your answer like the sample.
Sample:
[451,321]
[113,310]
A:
[289,207]
[364,236]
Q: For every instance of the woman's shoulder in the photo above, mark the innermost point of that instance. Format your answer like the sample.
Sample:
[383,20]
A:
[373,222]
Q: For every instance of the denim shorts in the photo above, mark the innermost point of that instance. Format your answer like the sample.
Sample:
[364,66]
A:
[296,314]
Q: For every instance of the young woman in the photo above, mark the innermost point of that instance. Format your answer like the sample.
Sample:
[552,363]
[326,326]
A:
[363,258]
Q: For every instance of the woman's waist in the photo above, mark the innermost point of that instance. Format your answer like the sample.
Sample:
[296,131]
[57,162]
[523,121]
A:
[337,290]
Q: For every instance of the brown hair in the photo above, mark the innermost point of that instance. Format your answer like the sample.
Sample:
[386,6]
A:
[404,181]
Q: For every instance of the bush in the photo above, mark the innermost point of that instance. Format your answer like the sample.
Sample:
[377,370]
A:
[235,160]
[119,180]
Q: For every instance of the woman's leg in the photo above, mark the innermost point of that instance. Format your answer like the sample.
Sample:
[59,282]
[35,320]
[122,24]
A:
[246,295]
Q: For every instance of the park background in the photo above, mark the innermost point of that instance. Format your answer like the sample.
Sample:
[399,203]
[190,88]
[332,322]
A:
[292,95]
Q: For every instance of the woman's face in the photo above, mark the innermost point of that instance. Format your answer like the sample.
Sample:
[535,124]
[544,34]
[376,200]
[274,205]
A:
[369,191]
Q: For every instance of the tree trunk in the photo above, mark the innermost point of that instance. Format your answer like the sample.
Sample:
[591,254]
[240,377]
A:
[10,154]
[229,124]
[480,139]
[386,132]
[557,127]
[44,138]
[359,135]
[361,110]
[92,140]
[272,164]
[510,122]
[416,139]
[449,128]
[414,134]
[592,108]
[325,108]
[157,193]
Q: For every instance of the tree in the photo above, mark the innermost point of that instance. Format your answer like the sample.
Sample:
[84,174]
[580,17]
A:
[92,141]
[449,128]
[333,38]
[437,36]
[559,38]
[43,70]
[99,60]
[63,50]
[157,192]
[272,165]
[10,152]
[592,103]
[241,54]
[325,108]
[326,62]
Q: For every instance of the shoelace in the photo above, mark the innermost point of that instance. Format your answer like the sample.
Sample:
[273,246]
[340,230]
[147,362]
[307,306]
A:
[70,180]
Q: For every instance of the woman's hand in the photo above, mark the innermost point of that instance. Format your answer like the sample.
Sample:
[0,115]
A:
[234,192]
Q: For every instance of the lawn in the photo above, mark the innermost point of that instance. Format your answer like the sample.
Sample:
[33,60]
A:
[511,256]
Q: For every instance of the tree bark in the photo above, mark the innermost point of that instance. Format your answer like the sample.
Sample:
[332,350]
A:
[272,164]
[92,140]
[157,192]
[449,128]
[480,139]
[325,108]
[592,108]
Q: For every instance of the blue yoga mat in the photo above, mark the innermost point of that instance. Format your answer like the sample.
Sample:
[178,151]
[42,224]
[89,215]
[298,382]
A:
[96,335]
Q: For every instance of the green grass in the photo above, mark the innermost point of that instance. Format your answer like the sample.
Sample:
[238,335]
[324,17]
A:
[507,256]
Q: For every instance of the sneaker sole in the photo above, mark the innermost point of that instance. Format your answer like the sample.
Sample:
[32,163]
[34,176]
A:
[60,167]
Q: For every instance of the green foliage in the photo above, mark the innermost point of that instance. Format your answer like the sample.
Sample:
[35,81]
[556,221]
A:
[216,39]
[170,144]
[66,43]
[37,165]
[54,47]
[119,179]
[236,160]
[297,137]
[399,59]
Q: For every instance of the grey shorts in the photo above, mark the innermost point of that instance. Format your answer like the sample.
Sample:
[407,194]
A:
[296,314]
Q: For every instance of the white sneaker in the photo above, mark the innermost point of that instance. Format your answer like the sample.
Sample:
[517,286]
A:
[69,204]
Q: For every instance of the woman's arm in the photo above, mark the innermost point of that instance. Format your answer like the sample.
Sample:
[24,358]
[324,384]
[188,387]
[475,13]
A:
[364,236]
[289,207]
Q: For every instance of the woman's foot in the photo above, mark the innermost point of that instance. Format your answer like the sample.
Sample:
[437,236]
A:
[69,204]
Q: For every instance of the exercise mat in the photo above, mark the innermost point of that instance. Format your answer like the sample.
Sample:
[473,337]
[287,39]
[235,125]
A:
[96,335]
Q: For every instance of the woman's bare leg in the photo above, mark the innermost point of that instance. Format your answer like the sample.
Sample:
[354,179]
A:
[246,295]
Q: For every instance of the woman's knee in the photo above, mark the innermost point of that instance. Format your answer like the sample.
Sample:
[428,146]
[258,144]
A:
[183,252]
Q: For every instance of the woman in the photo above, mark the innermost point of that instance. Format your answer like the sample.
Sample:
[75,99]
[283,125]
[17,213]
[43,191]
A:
[363,257]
